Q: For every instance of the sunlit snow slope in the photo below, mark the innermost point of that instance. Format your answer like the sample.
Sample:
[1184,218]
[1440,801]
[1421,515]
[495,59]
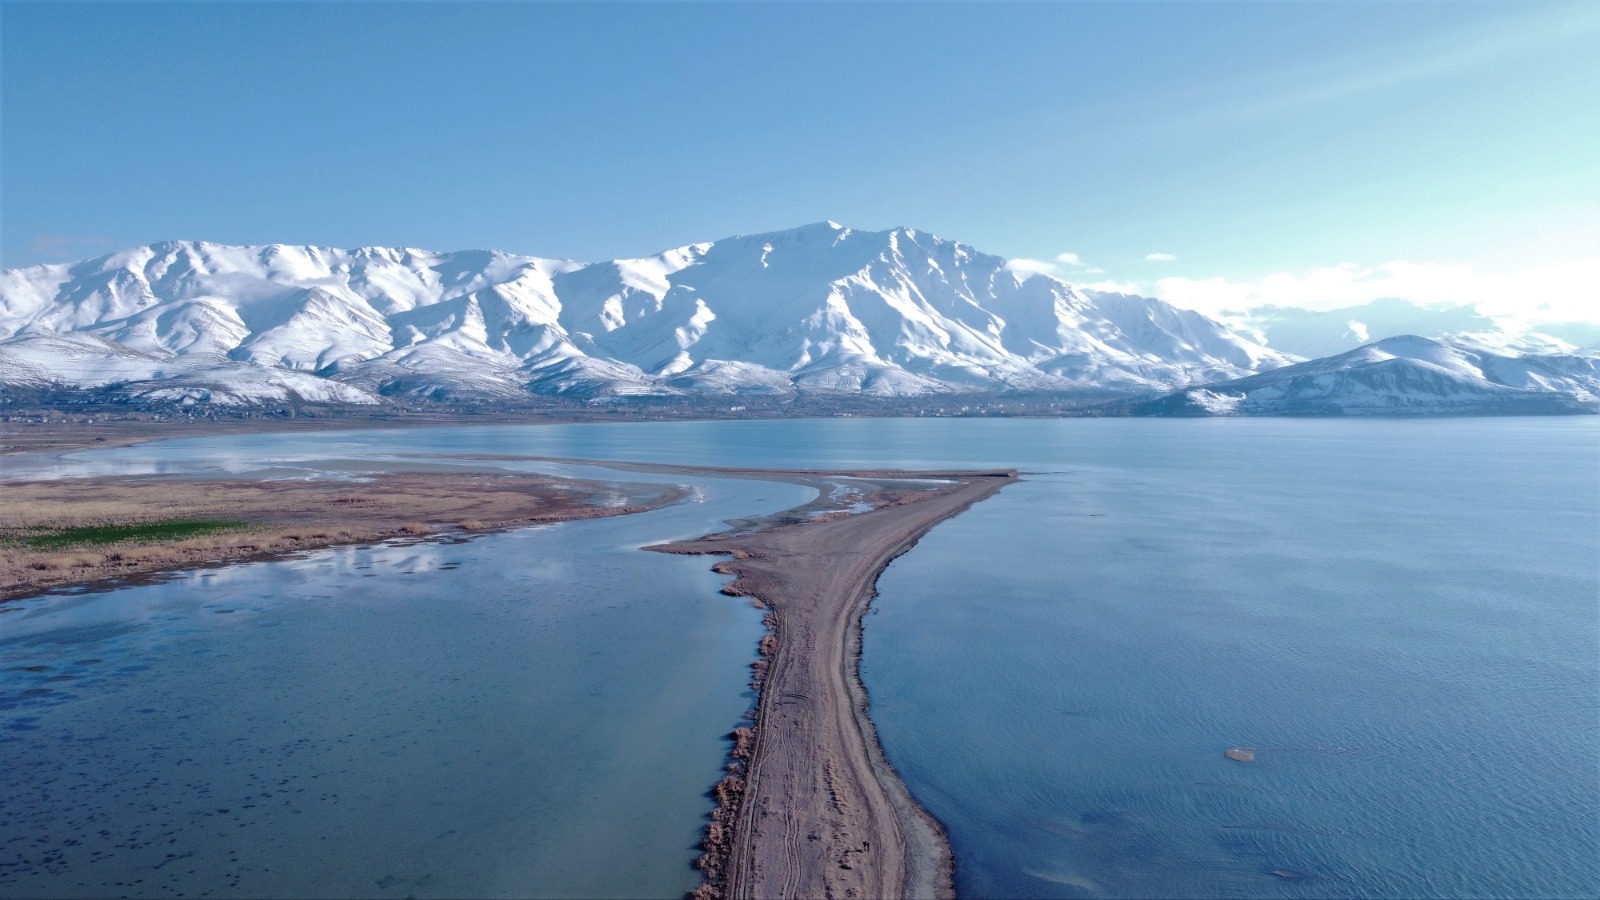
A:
[819,308]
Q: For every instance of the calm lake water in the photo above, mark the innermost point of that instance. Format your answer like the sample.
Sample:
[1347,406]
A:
[1402,617]
[536,713]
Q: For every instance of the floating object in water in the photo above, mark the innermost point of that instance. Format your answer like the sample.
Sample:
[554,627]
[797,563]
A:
[1288,874]
[1240,754]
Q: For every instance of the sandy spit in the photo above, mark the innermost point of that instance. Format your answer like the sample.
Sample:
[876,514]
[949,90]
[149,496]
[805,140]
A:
[810,806]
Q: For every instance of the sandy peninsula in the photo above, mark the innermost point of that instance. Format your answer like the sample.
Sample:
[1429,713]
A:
[810,806]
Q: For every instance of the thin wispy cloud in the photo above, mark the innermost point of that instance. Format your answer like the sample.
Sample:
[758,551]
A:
[1160,257]
[1378,68]
[1292,87]
[1069,259]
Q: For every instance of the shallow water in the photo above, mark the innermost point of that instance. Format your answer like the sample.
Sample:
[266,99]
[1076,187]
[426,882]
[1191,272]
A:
[537,713]
[1401,616]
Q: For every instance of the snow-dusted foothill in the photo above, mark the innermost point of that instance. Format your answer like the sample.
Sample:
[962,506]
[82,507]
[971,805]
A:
[87,360]
[1474,374]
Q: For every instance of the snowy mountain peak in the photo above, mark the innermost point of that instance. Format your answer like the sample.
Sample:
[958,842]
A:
[819,307]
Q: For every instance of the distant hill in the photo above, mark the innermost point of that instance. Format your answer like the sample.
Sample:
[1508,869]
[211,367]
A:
[1405,375]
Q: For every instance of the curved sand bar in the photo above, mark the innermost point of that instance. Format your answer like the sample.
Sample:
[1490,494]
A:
[811,807]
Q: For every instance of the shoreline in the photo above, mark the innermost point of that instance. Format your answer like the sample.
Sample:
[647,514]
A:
[106,532]
[811,806]
[102,431]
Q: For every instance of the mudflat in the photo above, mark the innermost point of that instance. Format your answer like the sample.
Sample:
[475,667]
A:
[72,531]
[810,806]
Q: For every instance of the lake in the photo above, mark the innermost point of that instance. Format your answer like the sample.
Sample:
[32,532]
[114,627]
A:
[1402,618]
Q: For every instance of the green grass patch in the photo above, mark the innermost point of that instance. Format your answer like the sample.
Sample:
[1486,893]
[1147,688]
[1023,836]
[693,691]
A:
[142,532]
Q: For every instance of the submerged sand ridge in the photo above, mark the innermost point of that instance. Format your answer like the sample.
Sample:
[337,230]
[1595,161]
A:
[811,807]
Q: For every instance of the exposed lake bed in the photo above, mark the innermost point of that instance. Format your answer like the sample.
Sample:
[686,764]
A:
[74,531]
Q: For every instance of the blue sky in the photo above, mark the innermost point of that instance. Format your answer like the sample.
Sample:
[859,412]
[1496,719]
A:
[1287,152]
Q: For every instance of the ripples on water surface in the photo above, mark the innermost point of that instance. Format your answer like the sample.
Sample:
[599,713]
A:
[537,713]
[1400,616]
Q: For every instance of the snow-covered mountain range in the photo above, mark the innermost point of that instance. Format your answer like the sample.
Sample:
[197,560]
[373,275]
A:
[820,308]
[823,309]
[1407,375]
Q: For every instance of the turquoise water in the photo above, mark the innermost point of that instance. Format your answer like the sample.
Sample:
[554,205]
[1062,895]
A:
[1402,617]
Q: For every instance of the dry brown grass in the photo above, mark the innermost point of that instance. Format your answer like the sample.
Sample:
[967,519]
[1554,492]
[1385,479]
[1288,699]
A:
[265,518]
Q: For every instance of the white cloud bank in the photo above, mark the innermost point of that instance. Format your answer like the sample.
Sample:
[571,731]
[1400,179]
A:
[1113,287]
[1027,268]
[1569,292]
[1559,293]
